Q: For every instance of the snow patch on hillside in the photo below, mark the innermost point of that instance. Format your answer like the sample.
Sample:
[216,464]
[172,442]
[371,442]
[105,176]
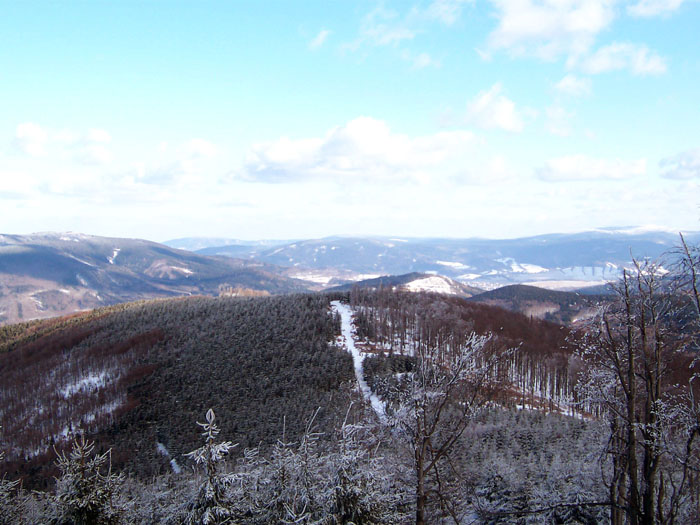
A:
[468,276]
[114,255]
[517,267]
[433,283]
[563,286]
[89,383]
[164,451]
[314,277]
[81,260]
[452,264]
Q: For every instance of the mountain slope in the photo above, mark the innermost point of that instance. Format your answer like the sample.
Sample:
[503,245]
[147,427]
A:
[138,374]
[49,274]
[552,305]
[414,282]
[564,261]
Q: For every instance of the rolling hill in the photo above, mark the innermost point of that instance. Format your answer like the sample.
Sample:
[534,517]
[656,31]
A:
[555,261]
[552,305]
[135,376]
[49,274]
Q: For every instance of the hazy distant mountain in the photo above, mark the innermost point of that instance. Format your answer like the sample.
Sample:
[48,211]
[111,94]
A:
[558,261]
[194,244]
[48,274]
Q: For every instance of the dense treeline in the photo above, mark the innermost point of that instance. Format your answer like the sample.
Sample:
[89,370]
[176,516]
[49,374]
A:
[537,354]
[137,375]
[551,305]
[515,467]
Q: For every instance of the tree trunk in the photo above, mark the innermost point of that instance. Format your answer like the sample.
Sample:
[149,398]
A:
[420,485]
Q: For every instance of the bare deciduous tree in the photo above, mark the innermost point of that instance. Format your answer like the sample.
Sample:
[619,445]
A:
[639,376]
[436,404]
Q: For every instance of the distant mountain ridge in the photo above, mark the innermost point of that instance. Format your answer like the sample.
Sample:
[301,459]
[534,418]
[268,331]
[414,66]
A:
[556,261]
[49,274]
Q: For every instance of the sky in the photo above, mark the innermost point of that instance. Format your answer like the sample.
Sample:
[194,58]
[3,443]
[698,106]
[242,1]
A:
[287,120]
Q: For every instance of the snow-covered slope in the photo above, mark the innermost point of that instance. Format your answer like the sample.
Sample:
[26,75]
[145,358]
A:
[556,260]
[433,283]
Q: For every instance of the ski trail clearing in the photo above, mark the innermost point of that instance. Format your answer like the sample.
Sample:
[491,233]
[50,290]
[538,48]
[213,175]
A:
[347,331]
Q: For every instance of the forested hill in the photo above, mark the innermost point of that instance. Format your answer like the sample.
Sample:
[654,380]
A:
[139,374]
[49,274]
[552,305]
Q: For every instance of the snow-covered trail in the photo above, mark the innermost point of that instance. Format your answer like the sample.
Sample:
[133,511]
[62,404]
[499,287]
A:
[348,332]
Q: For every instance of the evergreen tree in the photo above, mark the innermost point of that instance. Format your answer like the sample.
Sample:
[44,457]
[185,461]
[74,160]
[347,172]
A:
[210,505]
[84,492]
[6,489]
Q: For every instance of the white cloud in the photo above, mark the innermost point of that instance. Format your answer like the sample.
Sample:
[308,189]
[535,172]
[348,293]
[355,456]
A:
[491,109]
[424,60]
[582,167]
[364,148]
[446,11]
[92,148]
[549,29]
[559,120]
[383,27]
[639,59]
[199,148]
[574,86]
[85,148]
[98,135]
[648,8]
[386,27]
[93,154]
[319,39]
[17,184]
[483,55]
[685,165]
[31,138]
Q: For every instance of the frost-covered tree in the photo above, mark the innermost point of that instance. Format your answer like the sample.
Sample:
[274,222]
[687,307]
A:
[362,488]
[436,403]
[7,488]
[317,481]
[87,486]
[639,357]
[210,505]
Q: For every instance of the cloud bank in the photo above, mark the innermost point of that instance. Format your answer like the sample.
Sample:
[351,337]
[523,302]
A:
[363,149]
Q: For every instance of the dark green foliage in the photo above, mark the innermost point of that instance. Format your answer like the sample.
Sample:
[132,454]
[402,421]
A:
[519,466]
[87,486]
[383,373]
[254,360]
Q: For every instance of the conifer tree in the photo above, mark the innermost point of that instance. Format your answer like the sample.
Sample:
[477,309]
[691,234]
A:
[210,505]
[6,489]
[84,492]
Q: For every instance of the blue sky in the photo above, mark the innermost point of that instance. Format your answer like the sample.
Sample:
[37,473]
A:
[457,118]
